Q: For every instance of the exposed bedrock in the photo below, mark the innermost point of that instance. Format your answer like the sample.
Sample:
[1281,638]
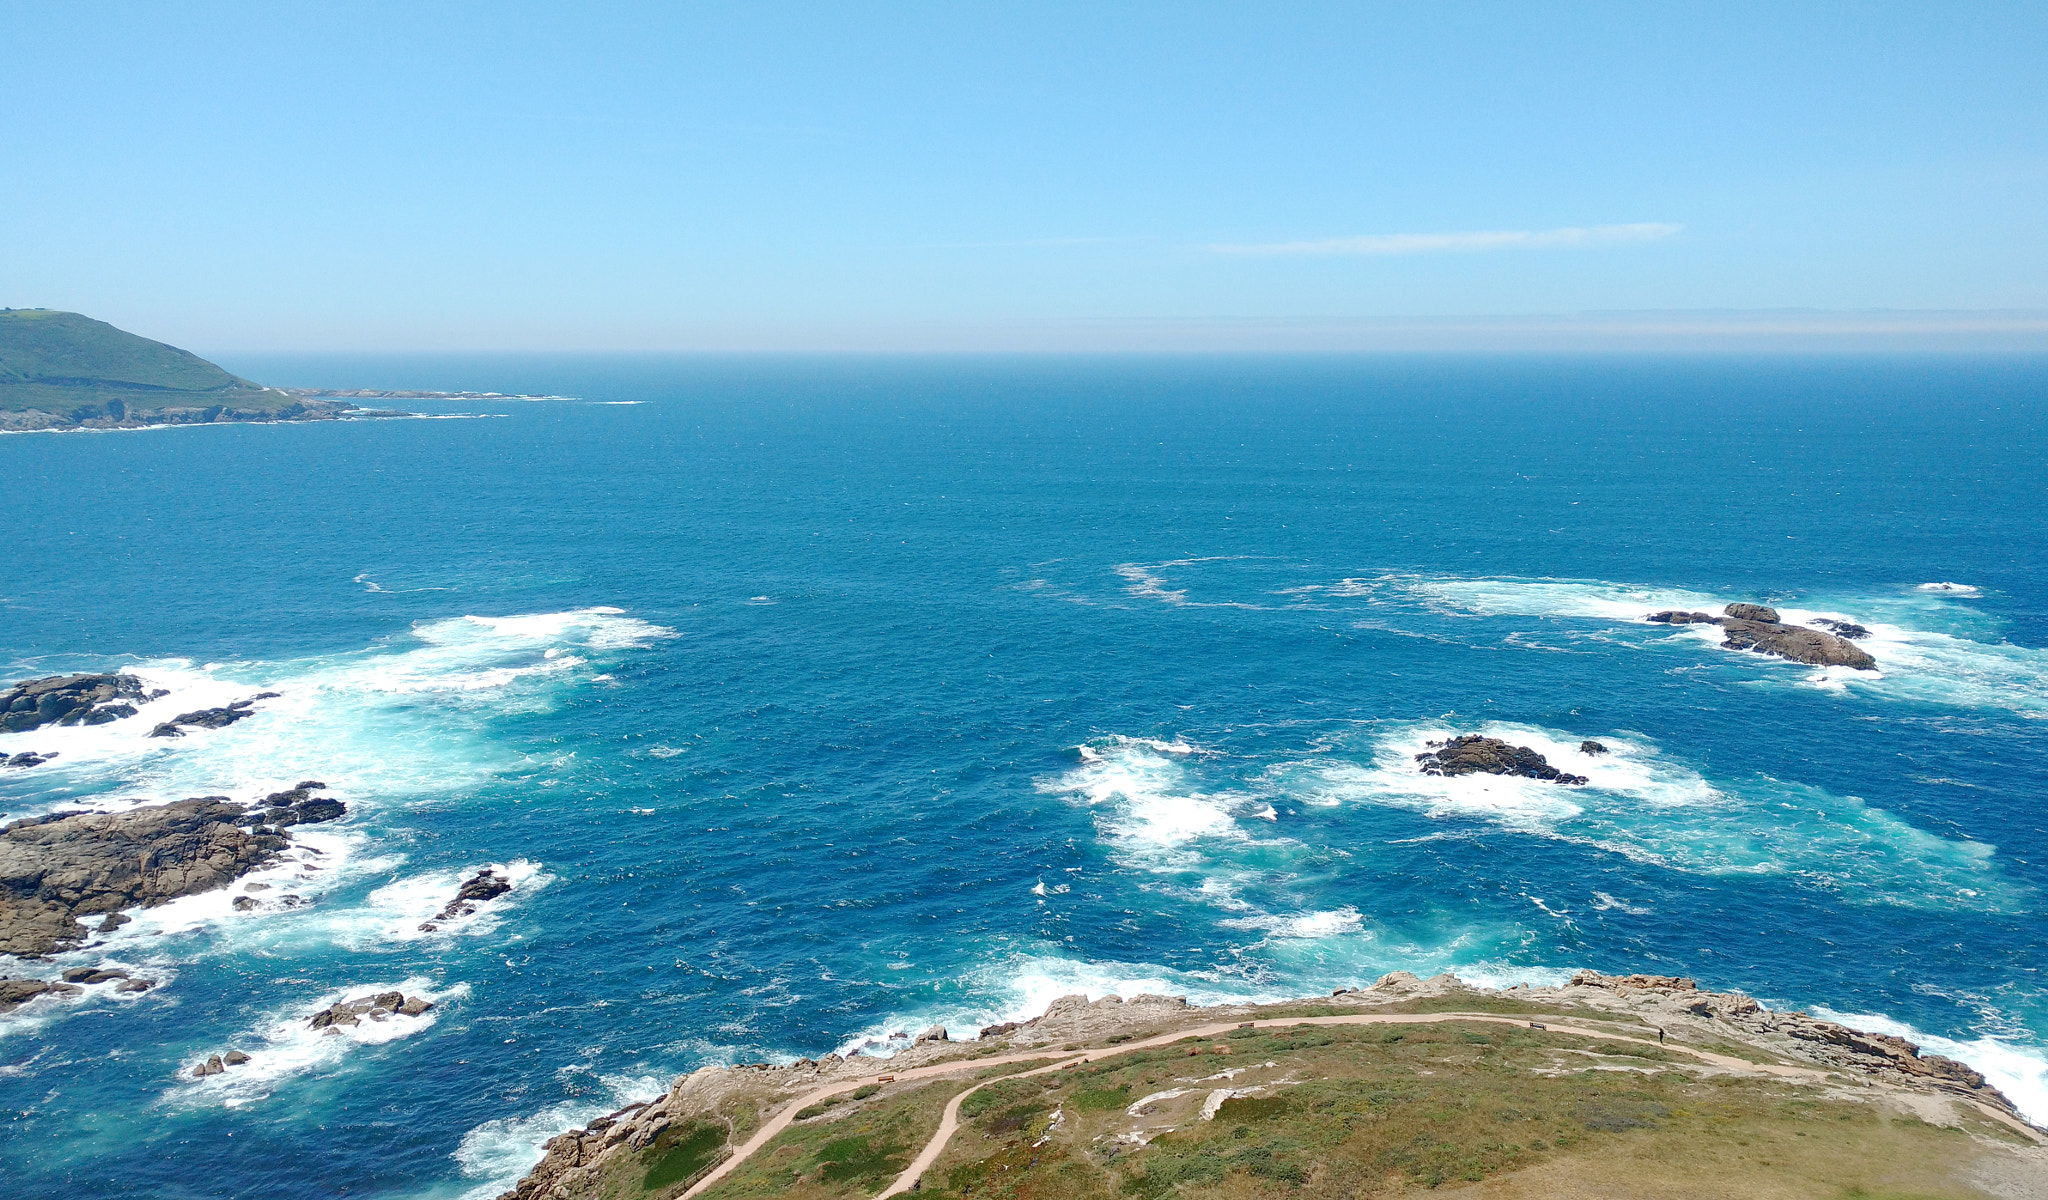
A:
[1473,754]
[70,700]
[1803,1036]
[57,869]
[1754,627]
[210,718]
[16,992]
[380,1007]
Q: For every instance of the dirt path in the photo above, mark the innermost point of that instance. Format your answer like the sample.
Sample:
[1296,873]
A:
[949,1121]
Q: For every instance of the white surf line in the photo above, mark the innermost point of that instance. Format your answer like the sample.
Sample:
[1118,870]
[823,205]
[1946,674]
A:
[949,1120]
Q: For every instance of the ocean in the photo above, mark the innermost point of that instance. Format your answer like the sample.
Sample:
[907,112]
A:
[807,702]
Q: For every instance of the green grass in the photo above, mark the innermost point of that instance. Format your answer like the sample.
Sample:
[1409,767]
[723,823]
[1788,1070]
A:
[680,1153]
[74,366]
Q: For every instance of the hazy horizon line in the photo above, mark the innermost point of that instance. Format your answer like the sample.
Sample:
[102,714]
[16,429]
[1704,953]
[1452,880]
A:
[1715,330]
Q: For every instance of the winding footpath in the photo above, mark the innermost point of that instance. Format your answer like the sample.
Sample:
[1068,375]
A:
[949,1121]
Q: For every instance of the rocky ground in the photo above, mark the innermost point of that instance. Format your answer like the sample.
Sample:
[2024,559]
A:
[1755,627]
[71,700]
[57,870]
[657,1149]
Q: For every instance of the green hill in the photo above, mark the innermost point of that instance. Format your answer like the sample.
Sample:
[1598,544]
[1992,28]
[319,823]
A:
[62,370]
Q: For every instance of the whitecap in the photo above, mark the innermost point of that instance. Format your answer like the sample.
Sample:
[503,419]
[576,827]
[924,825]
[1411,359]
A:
[284,1044]
[1953,589]
[1645,806]
[356,721]
[1928,649]
[1145,801]
[394,913]
[1334,922]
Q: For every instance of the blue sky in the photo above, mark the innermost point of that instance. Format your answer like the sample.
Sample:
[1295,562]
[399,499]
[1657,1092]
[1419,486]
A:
[949,176]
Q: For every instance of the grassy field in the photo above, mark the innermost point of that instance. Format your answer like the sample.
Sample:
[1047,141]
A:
[64,363]
[1320,1112]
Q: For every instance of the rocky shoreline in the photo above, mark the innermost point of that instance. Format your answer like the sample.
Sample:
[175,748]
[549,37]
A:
[116,414]
[578,1163]
[59,868]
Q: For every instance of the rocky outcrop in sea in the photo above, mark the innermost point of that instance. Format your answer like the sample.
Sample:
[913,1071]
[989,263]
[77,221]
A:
[210,718]
[57,869]
[16,992]
[487,885]
[380,1007]
[1473,754]
[1755,627]
[70,700]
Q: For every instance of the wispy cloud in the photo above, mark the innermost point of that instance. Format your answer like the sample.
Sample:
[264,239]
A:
[1438,243]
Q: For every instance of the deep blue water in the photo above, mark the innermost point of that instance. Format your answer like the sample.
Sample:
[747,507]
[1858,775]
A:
[813,700]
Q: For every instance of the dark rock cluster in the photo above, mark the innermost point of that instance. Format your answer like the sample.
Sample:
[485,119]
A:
[299,806]
[59,868]
[216,1064]
[210,718]
[71,700]
[486,885]
[1754,627]
[16,992]
[380,1007]
[27,758]
[1473,754]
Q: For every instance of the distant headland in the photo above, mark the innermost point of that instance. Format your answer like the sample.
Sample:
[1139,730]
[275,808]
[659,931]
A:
[61,370]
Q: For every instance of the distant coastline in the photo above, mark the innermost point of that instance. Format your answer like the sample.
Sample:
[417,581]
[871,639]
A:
[62,372]
[373,394]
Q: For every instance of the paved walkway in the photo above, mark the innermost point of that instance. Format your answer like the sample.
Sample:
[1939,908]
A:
[949,1121]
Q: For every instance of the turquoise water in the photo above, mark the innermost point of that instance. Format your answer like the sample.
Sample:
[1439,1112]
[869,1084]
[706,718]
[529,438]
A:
[807,701]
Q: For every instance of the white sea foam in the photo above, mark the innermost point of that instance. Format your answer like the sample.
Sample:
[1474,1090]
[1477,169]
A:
[1928,648]
[1647,807]
[46,1008]
[393,914]
[1145,802]
[288,909]
[2020,1070]
[284,1045]
[497,1153]
[1328,923]
[1147,581]
[1020,987]
[403,719]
